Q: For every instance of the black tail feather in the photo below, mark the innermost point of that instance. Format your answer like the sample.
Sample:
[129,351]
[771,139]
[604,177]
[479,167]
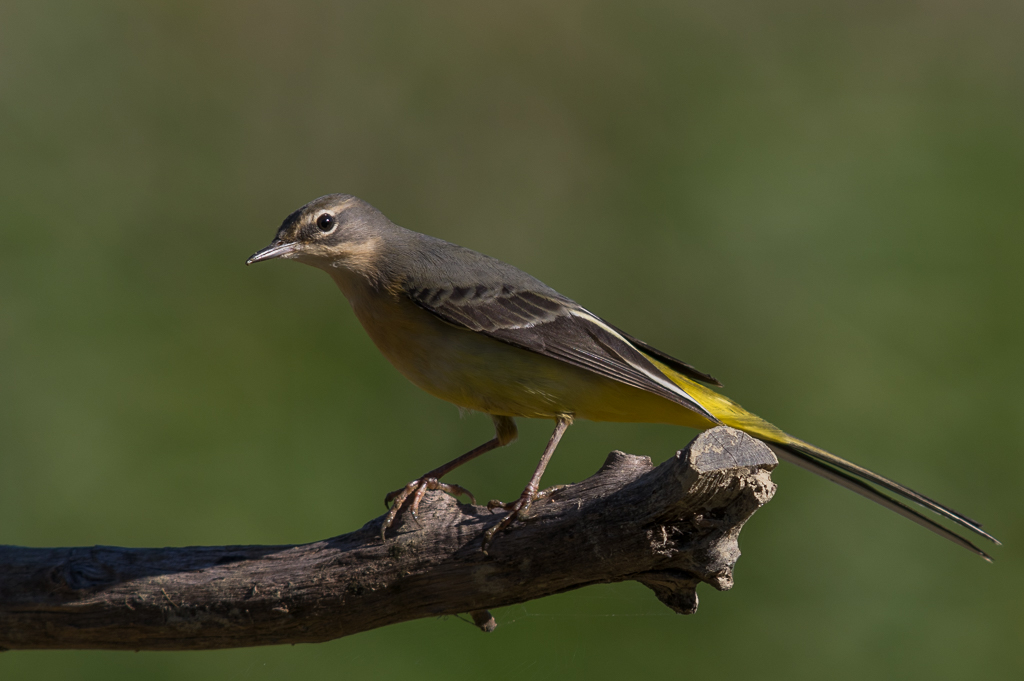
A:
[856,478]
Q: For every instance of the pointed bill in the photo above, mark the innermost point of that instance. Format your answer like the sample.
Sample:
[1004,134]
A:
[276,249]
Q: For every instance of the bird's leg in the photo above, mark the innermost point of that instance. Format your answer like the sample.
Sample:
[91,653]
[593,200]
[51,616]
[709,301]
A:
[417,488]
[505,433]
[522,505]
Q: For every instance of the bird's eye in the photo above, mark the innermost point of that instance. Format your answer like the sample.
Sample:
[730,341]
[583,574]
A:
[326,222]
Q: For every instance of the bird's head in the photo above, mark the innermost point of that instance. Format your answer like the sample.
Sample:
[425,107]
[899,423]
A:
[334,231]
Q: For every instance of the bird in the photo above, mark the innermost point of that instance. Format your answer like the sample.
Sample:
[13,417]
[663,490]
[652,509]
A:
[488,337]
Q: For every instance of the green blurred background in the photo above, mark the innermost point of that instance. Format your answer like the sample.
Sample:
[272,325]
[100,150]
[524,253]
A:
[820,203]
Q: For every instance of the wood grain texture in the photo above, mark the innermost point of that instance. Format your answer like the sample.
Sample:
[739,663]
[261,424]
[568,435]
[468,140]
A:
[669,527]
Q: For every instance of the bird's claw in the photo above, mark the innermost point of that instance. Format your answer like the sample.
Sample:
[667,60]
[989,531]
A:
[417,489]
[516,509]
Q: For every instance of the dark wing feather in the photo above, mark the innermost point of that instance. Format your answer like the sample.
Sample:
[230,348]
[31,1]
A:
[679,365]
[551,325]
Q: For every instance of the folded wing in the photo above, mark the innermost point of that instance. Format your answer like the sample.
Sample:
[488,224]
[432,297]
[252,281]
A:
[554,326]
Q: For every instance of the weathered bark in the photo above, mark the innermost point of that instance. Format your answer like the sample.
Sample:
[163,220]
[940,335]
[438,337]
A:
[669,527]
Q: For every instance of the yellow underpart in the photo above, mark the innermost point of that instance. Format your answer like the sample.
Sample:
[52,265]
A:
[725,410]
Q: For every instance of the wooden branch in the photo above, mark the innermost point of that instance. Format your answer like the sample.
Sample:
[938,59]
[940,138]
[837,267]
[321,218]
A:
[669,528]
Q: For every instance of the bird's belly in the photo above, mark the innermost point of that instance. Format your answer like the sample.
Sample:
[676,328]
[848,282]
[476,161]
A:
[474,371]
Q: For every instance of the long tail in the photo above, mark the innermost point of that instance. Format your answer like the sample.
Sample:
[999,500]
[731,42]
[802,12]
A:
[831,467]
[856,478]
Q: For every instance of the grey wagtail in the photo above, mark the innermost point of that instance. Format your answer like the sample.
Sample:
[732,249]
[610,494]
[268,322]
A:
[486,336]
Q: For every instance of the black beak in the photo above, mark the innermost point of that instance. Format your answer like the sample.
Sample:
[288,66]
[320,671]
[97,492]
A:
[276,249]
